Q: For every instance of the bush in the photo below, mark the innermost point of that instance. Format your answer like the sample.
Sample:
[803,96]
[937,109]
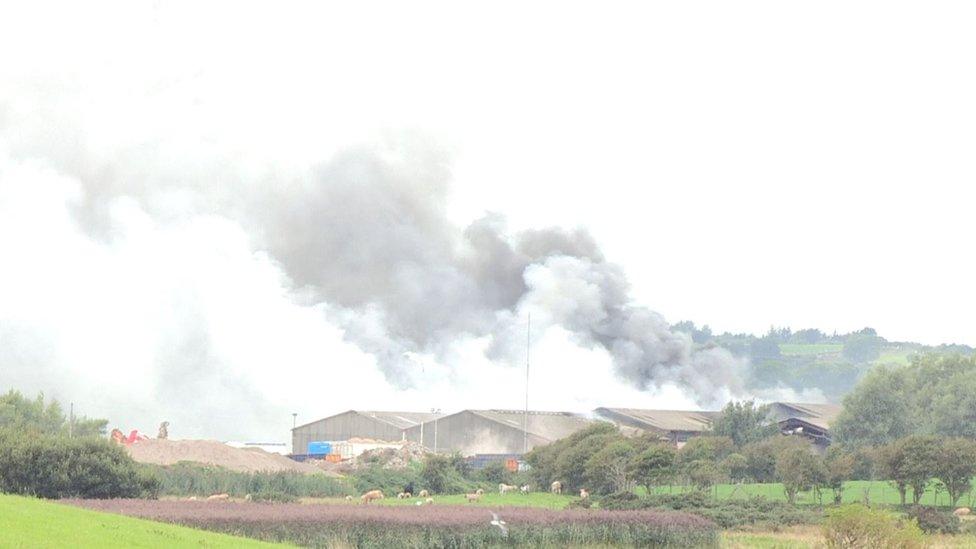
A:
[446,475]
[390,481]
[580,504]
[934,521]
[56,467]
[619,500]
[856,526]
[726,513]
[495,473]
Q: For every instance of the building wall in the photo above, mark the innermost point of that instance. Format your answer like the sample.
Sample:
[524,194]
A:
[342,427]
[472,434]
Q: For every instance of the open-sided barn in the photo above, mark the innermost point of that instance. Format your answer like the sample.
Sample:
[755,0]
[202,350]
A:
[387,426]
[675,426]
[810,421]
[473,432]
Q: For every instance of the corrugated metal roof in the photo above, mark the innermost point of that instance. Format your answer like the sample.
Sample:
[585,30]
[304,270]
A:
[400,420]
[819,414]
[662,420]
[547,425]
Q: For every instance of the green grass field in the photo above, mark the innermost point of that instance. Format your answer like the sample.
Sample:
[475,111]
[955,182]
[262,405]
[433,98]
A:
[878,492]
[27,522]
[901,357]
[804,349]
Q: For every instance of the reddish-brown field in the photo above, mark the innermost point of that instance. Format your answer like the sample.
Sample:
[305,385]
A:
[415,526]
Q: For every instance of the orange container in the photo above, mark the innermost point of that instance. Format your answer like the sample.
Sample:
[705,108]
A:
[511,465]
[333,458]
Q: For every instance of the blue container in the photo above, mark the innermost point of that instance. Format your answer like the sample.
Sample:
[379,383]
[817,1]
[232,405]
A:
[319,448]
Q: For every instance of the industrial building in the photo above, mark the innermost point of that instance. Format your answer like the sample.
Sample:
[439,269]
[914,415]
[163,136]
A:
[473,432]
[388,426]
[811,421]
[675,426]
[511,432]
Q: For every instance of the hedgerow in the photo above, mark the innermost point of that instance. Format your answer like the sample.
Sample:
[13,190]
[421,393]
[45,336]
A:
[190,479]
[728,513]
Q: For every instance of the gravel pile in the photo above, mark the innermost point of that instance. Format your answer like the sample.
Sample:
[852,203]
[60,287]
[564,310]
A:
[212,452]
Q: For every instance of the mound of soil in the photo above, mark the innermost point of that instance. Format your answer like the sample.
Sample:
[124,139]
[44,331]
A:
[211,452]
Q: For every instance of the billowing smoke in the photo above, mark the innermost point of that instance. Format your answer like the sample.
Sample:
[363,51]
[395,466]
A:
[367,235]
[364,240]
[371,234]
[180,243]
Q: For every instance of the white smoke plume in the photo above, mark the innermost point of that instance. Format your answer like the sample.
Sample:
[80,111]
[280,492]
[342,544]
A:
[192,266]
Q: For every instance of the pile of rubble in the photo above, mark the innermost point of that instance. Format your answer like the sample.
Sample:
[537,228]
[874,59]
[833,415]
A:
[212,452]
[398,455]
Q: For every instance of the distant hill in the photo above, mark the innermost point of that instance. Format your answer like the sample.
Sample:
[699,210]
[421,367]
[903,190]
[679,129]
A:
[811,359]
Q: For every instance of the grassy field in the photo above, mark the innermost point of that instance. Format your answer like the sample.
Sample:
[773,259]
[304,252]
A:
[878,492]
[27,522]
[901,357]
[803,349]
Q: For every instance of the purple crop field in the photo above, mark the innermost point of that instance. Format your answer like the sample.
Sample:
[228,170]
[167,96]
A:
[422,526]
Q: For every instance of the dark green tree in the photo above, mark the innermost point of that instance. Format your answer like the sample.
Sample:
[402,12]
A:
[607,471]
[653,466]
[798,468]
[909,462]
[955,466]
[878,411]
[862,347]
[744,422]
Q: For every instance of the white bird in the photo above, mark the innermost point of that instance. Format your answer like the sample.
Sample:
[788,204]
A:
[495,521]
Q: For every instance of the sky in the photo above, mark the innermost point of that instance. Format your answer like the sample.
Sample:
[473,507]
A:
[745,164]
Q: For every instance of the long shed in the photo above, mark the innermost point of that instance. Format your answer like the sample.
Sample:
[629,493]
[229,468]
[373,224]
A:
[386,426]
[675,426]
[473,432]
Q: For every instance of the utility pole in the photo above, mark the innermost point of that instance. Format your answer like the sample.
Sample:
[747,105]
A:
[525,417]
[434,411]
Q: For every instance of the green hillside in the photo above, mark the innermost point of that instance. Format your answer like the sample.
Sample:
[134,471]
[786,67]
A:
[27,522]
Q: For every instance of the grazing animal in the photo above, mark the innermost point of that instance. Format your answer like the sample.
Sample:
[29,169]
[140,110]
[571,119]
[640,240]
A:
[525,489]
[429,501]
[472,497]
[556,487]
[370,496]
[423,494]
[496,521]
[962,511]
[480,492]
[584,494]
[248,497]
[506,488]
[348,498]
[218,497]
[404,495]
[191,498]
